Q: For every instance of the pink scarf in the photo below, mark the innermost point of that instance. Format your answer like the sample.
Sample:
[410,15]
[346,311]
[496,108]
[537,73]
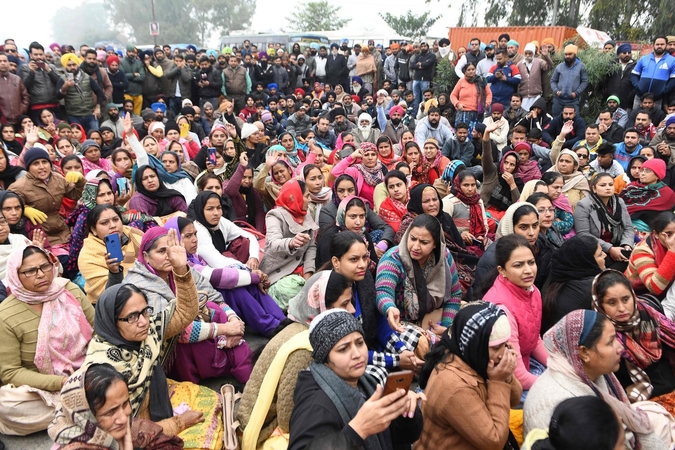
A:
[103,164]
[64,332]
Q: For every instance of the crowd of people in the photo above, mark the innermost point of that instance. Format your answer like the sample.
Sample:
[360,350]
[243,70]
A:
[157,206]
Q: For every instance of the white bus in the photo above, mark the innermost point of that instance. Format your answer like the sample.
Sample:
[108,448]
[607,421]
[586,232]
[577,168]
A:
[262,41]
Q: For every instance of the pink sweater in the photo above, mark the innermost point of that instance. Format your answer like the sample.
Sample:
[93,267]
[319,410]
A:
[523,309]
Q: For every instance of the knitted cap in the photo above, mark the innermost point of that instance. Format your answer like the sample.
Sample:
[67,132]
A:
[89,143]
[265,116]
[247,130]
[513,42]
[501,332]
[615,98]
[656,165]
[35,153]
[327,329]
[530,48]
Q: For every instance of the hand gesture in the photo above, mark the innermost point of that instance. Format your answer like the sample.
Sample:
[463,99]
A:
[230,110]
[124,197]
[376,414]
[51,129]
[97,112]
[112,263]
[39,238]
[503,370]
[68,84]
[544,50]
[243,160]
[394,319]
[408,361]
[670,242]
[495,125]
[299,241]
[128,124]
[509,179]
[32,66]
[31,135]
[272,159]
[357,154]
[231,129]
[567,128]
[176,252]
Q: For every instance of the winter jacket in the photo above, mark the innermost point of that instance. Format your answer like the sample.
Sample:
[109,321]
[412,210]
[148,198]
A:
[120,84]
[235,80]
[152,84]
[620,84]
[47,197]
[568,79]
[552,130]
[14,98]
[424,131]
[614,134]
[279,259]
[336,70]
[214,79]
[531,84]
[327,140]
[503,89]
[296,126]
[182,77]
[402,66]
[131,67]
[315,414]
[587,222]
[280,77]
[467,58]
[41,85]
[540,122]
[390,69]
[101,76]
[453,149]
[424,66]
[657,78]
[484,66]
[79,99]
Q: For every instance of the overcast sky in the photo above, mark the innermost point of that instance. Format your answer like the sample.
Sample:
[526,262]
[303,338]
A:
[31,19]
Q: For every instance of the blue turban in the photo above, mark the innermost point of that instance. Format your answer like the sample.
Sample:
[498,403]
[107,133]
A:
[211,52]
[158,105]
[272,85]
[623,48]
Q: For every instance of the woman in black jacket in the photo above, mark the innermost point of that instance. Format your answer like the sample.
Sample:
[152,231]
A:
[568,287]
[336,395]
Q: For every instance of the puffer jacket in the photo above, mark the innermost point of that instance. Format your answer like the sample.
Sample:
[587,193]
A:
[41,85]
[215,82]
[47,197]
[130,67]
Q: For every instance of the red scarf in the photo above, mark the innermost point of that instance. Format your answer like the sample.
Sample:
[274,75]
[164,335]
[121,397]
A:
[476,224]
[291,199]
[392,212]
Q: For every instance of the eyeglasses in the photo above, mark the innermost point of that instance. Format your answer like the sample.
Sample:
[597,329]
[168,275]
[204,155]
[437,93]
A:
[581,156]
[32,272]
[546,210]
[134,316]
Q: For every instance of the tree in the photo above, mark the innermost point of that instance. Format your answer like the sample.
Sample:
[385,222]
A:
[410,25]
[181,21]
[317,16]
[84,23]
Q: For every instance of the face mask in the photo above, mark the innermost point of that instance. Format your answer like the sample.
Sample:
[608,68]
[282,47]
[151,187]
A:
[444,51]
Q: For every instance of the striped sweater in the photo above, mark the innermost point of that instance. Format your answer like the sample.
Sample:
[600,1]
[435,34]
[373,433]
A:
[391,279]
[643,271]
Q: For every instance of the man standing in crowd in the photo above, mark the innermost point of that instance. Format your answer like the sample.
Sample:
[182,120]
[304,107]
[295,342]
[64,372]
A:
[78,92]
[336,68]
[569,81]
[180,82]
[90,67]
[135,72]
[619,83]
[14,98]
[118,79]
[504,78]
[238,83]
[532,71]
[424,69]
[654,73]
[41,81]
[209,82]
[474,56]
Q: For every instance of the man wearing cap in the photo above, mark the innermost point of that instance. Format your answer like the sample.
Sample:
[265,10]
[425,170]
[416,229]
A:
[340,123]
[14,98]
[619,82]
[336,67]
[237,83]
[114,122]
[532,71]
[501,134]
[664,142]
[654,73]
[512,48]
[135,72]
[504,78]
[474,56]
[78,91]
[569,81]
[118,79]
[160,110]
[609,46]
[166,64]
[299,121]
[619,115]
[485,64]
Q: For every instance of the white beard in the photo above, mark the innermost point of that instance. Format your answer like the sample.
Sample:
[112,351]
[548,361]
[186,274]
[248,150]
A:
[356,89]
[365,130]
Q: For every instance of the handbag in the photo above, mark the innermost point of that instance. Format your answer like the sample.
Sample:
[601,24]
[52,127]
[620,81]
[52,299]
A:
[230,426]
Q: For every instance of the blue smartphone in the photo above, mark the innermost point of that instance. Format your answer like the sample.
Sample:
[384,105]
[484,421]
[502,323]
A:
[212,155]
[122,186]
[113,246]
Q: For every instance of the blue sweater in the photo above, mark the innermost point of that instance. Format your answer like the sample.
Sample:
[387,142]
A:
[656,78]
[503,89]
[568,79]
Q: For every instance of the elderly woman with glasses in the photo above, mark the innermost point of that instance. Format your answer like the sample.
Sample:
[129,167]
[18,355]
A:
[45,328]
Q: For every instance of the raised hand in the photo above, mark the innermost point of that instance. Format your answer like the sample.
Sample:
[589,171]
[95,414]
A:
[243,159]
[176,252]
[128,124]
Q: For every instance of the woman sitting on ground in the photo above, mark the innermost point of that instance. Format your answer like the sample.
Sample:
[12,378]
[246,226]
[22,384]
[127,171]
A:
[274,174]
[246,201]
[366,169]
[604,216]
[564,212]
[242,289]
[290,247]
[320,194]
[94,414]
[97,267]
[650,196]
[652,264]
[468,212]
[394,207]
[514,292]
[285,355]
[336,393]
[421,170]
[647,336]
[468,379]
[546,212]
[568,287]
[125,323]
[419,278]
[213,344]
[153,197]
[45,327]
[576,368]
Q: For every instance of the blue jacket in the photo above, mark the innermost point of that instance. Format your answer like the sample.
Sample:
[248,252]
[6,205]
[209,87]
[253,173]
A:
[650,76]
[569,79]
[503,89]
